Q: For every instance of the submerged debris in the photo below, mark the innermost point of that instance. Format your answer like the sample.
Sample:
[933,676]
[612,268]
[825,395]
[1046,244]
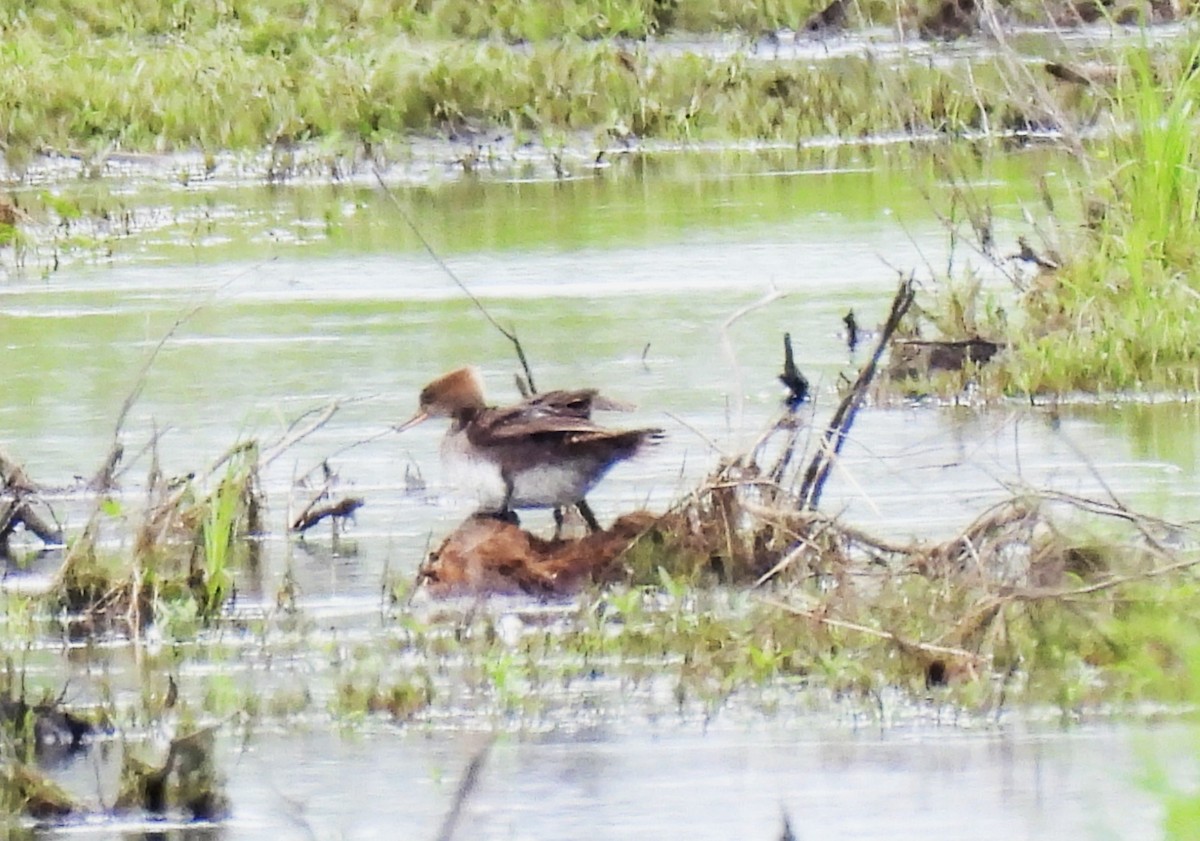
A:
[317,510]
[488,555]
[920,358]
[851,331]
[187,780]
[24,790]
[324,504]
[47,723]
[18,497]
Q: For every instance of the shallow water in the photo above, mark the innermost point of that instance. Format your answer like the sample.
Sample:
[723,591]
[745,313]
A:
[649,280]
[833,781]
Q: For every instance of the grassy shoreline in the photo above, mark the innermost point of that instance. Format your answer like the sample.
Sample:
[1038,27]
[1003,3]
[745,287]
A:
[201,97]
[246,77]
[281,25]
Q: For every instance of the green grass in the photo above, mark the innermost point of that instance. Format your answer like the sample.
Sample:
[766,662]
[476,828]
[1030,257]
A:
[222,532]
[134,77]
[1123,313]
[213,95]
[280,24]
[1120,312]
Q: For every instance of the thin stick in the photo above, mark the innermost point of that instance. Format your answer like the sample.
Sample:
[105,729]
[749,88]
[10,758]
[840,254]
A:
[505,332]
[786,561]
[370,439]
[727,345]
[294,435]
[839,425]
[1106,584]
[1116,501]
[703,436]
[928,648]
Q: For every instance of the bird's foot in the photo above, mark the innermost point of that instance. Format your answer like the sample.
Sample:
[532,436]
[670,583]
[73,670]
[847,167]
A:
[506,516]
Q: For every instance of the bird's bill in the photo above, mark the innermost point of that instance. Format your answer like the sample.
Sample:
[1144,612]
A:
[419,417]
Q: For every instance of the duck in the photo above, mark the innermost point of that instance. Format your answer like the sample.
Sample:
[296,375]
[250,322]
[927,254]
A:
[544,452]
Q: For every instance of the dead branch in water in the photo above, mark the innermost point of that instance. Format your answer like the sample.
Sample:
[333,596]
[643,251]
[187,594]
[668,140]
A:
[17,494]
[317,510]
[798,389]
[105,478]
[839,425]
[796,382]
[187,779]
[13,476]
[18,511]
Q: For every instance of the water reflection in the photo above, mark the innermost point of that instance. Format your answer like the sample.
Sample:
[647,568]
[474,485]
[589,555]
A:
[921,781]
[1157,431]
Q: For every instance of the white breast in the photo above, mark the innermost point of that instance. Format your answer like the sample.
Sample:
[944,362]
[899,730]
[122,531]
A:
[471,475]
[544,486]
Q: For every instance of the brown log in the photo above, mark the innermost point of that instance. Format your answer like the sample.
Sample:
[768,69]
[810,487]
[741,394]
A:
[13,476]
[316,512]
[48,533]
[485,555]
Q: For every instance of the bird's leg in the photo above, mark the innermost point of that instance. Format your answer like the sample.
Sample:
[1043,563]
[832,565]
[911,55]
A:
[558,522]
[506,514]
[585,511]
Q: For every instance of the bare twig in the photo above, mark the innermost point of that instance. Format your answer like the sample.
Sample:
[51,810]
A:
[105,478]
[1117,511]
[702,435]
[17,494]
[1106,584]
[802,543]
[1137,521]
[727,344]
[507,333]
[296,434]
[829,621]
